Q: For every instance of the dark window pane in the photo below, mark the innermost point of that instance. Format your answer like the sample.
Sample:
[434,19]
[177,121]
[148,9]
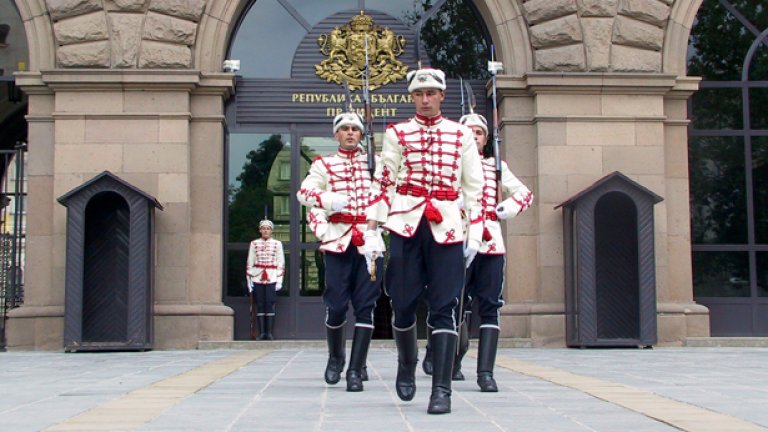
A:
[717,109]
[762,274]
[312,277]
[760,187]
[718,198]
[267,32]
[718,42]
[758,68]
[758,114]
[258,179]
[236,284]
[720,274]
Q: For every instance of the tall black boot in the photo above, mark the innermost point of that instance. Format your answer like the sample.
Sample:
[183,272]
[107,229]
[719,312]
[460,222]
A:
[443,353]
[269,322]
[360,343]
[262,327]
[426,364]
[407,359]
[463,348]
[335,339]
[486,358]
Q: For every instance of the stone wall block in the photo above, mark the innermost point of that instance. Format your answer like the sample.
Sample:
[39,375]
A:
[537,11]
[59,9]
[597,36]
[650,11]
[161,55]
[126,5]
[84,28]
[561,31]
[629,59]
[187,9]
[126,37]
[166,28]
[627,31]
[569,58]
[91,54]
[598,8]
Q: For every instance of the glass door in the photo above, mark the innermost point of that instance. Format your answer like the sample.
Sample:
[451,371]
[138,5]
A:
[259,184]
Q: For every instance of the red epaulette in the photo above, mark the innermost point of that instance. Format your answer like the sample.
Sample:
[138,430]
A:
[317,158]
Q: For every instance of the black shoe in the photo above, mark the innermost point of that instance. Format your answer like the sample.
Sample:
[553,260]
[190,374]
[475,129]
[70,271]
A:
[333,370]
[486,382]
[486,358]
[335,339]
[457,375]
[443,354]
[354,381]
[269,323]
[360,343]
[364,373]
[439,401]
[407,359]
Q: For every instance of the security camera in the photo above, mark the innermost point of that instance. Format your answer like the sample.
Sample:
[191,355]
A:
[231,65]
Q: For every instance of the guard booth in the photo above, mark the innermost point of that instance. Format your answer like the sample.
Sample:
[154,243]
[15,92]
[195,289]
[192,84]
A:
[108,287]
[610,278]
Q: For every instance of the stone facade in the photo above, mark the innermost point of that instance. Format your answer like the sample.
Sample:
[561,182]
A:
[157,34]
[135,87]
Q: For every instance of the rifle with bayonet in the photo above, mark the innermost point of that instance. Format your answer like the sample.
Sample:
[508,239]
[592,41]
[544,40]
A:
[370,147]
[494,67]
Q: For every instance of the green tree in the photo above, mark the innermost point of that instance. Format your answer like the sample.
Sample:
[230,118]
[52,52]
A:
[247,202]
[454,38]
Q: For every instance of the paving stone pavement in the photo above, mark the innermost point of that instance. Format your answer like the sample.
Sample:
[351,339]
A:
[280,387]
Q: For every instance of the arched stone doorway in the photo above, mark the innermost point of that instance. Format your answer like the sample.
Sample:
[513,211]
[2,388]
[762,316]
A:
[279,121]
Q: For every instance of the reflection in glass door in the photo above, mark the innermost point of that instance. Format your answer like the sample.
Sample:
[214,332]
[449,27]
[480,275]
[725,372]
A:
[258,186]
[261,180]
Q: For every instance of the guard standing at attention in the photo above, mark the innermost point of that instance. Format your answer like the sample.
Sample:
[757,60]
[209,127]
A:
[265,269]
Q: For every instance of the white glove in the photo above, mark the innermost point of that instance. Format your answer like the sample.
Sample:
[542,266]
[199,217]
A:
[374,244]
[470,251]
[507,208]
[460,201]
[251,271]
[278,286]
[339,202]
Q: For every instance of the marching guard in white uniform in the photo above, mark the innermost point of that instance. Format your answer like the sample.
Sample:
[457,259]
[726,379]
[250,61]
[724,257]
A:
[425,162]
[264,270]
[485,277]
[337,189]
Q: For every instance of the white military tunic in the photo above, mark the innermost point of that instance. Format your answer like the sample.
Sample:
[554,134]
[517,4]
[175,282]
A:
[344,174]
[425,163]
[522,197]
[266,262]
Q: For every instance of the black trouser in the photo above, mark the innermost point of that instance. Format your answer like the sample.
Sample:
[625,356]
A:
[419,267]
[485,282]
[265,297]
[347,280]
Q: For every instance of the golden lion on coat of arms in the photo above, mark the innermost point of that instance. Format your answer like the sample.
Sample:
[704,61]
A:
[351,46]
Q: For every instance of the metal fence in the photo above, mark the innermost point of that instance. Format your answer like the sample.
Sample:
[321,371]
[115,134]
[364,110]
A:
[12,231]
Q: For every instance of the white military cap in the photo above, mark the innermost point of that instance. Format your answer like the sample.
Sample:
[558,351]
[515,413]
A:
[474,120]
[348,119]
[266,223]
[426,78]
